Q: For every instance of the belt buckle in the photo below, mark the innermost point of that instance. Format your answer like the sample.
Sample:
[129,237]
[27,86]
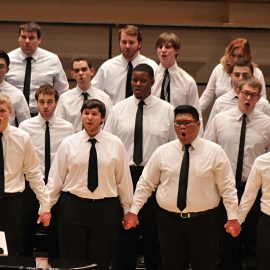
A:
[184,215]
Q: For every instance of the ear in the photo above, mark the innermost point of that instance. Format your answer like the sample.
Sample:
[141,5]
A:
[92,72]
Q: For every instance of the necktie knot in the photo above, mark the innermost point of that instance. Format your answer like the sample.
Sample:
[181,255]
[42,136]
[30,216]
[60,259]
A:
[244,116]
[28,59]
[186,147]
[141,103]
[85,96]
[47,123]
[1,134]
[93,141]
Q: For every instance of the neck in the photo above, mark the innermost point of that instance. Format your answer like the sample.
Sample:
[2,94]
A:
[84,87]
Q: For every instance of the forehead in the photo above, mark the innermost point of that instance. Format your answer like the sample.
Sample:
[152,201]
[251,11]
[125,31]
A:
[28,34]
[92,110]
[184,116]
[237,51]
[45,96]
[4,106]
[237,69]
[3,61]
[79,64]
[140,74]
[125,36]
[249,88]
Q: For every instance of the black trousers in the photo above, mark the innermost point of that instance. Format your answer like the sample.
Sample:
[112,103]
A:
[32,235]
[11,222]
[235,250]
[192,240]
[263,242]
[130,244]
[88,230]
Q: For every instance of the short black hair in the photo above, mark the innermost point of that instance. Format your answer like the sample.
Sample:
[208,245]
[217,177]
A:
[5,56]
[187,109]
[94,103]
[145,68]
[243,63]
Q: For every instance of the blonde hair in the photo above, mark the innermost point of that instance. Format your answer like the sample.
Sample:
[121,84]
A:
[4,99]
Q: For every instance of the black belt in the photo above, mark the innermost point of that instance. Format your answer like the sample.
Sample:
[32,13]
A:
[88,200]
[192,214]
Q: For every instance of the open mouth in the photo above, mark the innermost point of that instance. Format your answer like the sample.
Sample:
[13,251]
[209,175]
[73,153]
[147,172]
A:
[183,134]
[247,104]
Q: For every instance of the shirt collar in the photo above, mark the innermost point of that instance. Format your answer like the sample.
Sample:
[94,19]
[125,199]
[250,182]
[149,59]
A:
[171,69]
[79,91]
[86,137]
[147,101]
[43,121]
[34,56]
[194,143]
[134,61]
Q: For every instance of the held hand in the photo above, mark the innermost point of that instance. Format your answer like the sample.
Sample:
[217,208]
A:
[44,218]
[233,227]
[130,220]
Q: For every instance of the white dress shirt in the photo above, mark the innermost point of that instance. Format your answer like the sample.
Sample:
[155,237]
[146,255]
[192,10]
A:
[46,69]
[209,178]
[225,130]
[20,108]
[220,83]
[258,178]
[69,170]
[112,75]
[230,100]
[20,158]
[158,124]
[183,88]
[70,104]
[59,130]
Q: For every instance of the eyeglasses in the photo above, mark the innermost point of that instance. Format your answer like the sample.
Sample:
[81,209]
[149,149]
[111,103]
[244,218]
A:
[249,94]
[184,123]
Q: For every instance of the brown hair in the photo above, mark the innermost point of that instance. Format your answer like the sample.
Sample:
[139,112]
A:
[31,27]
[131,30]
[47,89]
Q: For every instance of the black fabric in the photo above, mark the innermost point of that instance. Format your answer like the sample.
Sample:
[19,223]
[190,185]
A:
[183,180]
[27,78]
[93,167]
[165,87]
[239,167]
[128,84]
[138,135]
[47,152]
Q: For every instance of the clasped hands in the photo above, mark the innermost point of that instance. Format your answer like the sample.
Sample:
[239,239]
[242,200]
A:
[44,218]
[130,220]
[233,227]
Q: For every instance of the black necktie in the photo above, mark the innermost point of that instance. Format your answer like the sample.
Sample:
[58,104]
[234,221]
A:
[27,79]
[85,96]
[93,167]
[138,135]
[128,84]
[2,171]
[183,180]
[165,87]
[47,151]
[239,167]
